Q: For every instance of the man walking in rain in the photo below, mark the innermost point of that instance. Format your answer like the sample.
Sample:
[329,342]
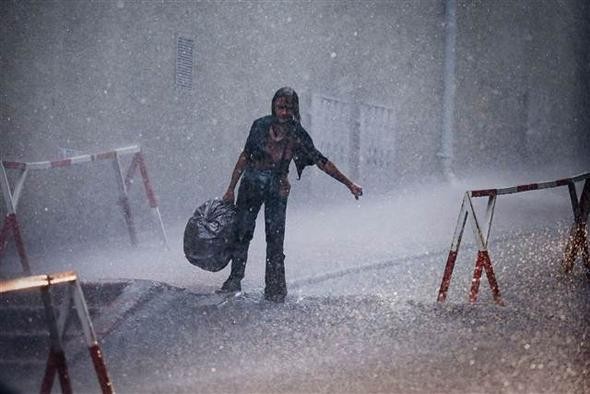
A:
[263,165]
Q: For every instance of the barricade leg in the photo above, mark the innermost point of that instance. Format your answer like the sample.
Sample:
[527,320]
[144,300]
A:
[101,369]
[446,281]
[20,246]
[578,239]
[476,278]
[56,362]
[577,244]
[450,265]
[151,196]
[91,341]
[131,172]
[484,262]
[585,254]
[483,258]
[4,234]
[11,226]
[57,359]
[487,265]
[126,207]
[124,200]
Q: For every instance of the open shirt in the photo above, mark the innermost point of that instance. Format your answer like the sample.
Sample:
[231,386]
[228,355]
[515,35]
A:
[298,146]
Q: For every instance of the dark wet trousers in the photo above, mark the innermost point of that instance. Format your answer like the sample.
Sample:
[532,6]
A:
[259,187]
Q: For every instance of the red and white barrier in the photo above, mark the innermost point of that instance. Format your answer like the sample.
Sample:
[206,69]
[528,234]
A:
[57,325]
[124,181]
[577,243]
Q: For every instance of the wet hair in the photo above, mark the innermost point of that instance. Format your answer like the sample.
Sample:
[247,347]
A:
[290,93]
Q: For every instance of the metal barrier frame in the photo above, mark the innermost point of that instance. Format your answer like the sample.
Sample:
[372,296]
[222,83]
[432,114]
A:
[57,326]
[11,198]
[577,242]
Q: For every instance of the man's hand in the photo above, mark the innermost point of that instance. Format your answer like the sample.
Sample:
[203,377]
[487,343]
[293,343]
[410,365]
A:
[356,190]
[284,187]
[229,196]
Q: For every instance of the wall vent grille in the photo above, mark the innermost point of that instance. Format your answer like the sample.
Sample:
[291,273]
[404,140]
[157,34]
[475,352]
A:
[184,62]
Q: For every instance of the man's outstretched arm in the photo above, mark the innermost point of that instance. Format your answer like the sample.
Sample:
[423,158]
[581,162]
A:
[330,168]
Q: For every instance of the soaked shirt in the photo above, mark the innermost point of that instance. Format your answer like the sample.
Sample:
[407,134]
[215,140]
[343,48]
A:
[297,145]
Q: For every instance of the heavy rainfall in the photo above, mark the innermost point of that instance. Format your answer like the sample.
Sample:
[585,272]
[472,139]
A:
[418,102]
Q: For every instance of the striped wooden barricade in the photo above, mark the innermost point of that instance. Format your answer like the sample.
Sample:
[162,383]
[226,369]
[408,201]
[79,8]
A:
[56,362]
[577,242]
[124,181]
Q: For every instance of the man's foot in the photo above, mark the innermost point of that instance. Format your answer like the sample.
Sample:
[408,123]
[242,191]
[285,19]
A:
[278,298]
[228,294]
[230,286]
